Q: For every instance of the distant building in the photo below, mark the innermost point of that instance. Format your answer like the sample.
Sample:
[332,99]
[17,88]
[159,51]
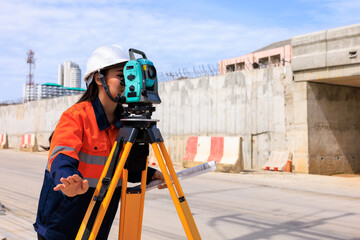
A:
[61,74]
[69,75]
[74,77]
[275,54]
[48,90]
[69,83]
[29,92]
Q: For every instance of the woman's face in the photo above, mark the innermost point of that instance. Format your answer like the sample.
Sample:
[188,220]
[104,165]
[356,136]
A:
[113,79]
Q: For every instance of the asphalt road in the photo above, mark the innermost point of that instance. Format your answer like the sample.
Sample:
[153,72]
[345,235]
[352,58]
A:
[252,205]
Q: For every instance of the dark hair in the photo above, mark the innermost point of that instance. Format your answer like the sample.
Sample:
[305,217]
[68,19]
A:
[89,95]
[92,90]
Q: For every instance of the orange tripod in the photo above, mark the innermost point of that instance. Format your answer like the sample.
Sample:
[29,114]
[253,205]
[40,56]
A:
[142,131]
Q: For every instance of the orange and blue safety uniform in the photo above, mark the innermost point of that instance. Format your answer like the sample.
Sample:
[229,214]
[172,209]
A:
[81,143]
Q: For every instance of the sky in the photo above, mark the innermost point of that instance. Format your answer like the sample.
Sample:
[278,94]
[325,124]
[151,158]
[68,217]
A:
[173,34]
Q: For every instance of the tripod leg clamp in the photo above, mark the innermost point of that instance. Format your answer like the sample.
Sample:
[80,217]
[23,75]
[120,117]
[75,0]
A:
[105,185]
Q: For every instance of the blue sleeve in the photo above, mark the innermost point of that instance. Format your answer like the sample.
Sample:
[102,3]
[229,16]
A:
[64,166]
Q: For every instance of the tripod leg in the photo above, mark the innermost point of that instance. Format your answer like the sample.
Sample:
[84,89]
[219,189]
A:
[122,206]
[105,204]
[178,197]
[132,208]
[171,169]
[96,193]
[180,192]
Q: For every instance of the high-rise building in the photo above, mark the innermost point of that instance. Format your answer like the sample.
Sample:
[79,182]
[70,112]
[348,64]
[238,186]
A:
[61,74]
[74,77]
[69,75]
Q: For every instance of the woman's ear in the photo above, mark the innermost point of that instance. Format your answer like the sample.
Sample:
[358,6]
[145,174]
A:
[96,78]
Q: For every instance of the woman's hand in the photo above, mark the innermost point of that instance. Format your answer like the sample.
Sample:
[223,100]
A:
[158,175]
[72,185]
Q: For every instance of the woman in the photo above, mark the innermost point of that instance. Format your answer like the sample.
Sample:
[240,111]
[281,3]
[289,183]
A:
[79,148]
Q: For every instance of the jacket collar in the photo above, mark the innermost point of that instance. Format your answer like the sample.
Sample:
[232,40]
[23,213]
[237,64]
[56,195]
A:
[100,115]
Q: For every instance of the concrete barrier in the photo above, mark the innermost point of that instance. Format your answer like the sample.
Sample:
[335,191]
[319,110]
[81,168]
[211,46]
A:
[278,161]
[226,151]
[203,150]
[190,149]
[28,143]
[4,141]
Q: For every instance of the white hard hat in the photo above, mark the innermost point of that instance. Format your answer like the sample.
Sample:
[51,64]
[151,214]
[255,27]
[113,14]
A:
[103,57]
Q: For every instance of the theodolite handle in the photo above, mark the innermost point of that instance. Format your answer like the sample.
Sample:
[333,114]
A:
[132,51]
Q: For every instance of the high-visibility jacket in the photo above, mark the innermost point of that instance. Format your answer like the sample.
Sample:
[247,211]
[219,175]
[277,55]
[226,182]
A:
[81,143]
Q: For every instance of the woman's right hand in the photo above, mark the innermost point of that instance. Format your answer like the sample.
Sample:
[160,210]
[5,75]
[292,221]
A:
[72,185]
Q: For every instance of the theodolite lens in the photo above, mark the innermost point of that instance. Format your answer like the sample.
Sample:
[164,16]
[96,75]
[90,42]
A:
[152,71]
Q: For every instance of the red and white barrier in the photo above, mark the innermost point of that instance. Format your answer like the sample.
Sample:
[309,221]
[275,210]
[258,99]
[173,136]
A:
[203,150]
[28,143]
[278,161]
[191,149]
[224,150]
[3,141]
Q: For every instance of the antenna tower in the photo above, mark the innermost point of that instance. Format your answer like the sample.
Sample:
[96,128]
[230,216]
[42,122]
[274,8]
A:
[31,62]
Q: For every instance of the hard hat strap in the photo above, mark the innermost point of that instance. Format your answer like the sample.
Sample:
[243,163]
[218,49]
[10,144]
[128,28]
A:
[118,98]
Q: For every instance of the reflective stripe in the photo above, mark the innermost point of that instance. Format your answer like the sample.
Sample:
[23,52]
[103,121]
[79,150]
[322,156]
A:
[47,167]
[90,165]
[86,158]
[55,151]
[93,182]
[58,149]
[92,159]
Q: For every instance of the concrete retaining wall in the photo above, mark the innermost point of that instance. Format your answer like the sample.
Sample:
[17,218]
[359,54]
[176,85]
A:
[38,117]
[249,104]
[265,107]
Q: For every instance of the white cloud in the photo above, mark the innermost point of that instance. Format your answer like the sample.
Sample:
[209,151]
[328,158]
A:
[71,30]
